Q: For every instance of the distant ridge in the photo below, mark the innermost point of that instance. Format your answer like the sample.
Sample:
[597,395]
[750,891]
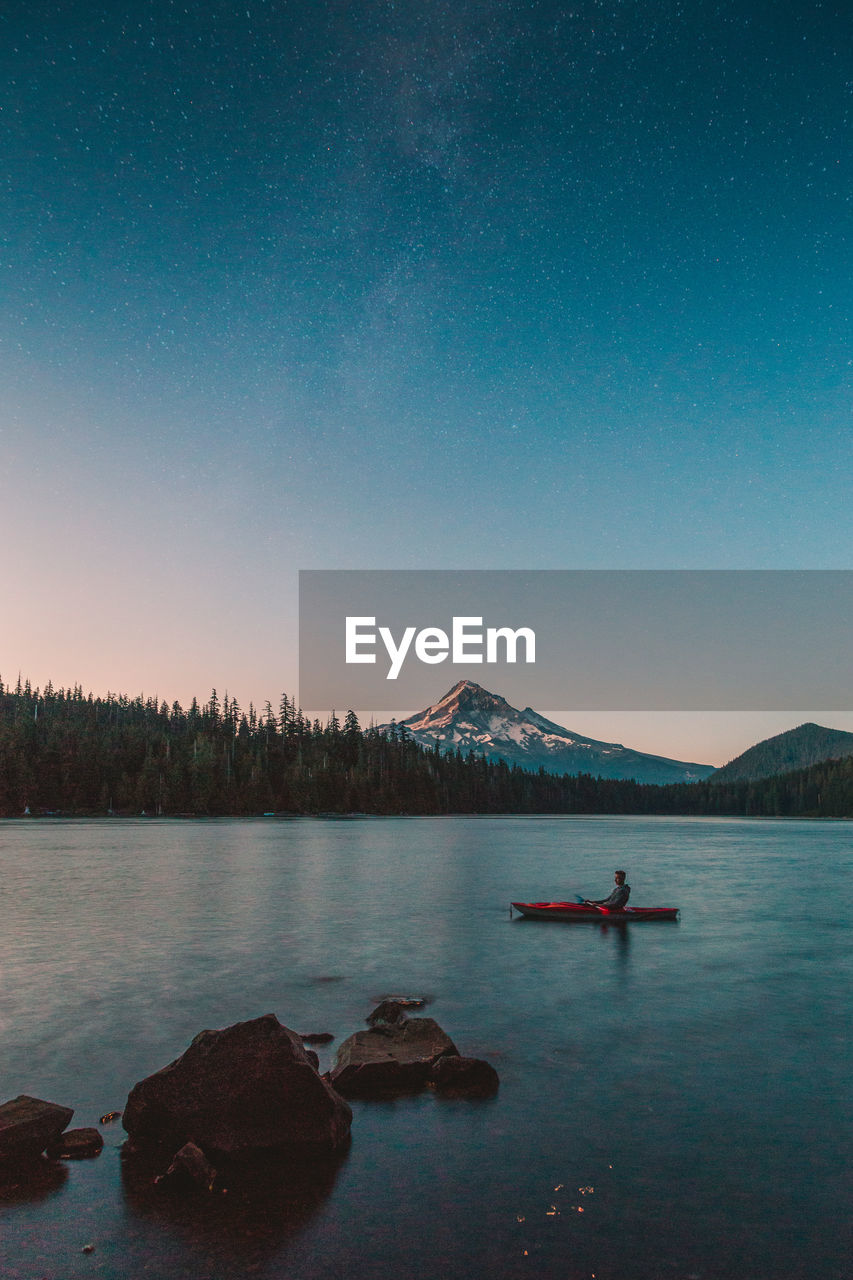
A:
[469,718]
[798,748]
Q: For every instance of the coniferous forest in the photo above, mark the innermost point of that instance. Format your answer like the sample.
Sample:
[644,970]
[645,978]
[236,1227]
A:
[64,752]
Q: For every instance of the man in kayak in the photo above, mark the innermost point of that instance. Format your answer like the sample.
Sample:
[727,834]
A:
[617,900]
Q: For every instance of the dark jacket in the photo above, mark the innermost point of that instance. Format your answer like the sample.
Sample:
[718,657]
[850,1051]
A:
[618,899]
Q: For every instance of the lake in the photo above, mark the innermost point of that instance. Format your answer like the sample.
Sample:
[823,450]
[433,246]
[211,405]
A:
[674,1101]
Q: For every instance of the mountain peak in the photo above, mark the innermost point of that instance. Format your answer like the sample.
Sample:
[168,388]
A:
[471,718]
[467,687]
[464,684]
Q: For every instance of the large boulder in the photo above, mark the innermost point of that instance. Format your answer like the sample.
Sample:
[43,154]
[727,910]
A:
[248,1088]
[389,1058]
[28,1125]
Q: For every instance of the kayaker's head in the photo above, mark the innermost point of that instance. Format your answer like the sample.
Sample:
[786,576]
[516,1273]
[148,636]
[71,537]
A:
[619,877]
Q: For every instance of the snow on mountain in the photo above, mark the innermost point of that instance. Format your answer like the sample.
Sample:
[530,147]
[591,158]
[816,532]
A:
[468,717]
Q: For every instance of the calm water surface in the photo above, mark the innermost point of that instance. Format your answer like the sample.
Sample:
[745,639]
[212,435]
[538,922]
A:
[674,1102]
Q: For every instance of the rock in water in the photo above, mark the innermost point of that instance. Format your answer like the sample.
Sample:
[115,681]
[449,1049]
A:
[76,1144]
[389,1058]
[190,1168]
[28,1125]
[249,1087]
[465,1077]
[389,1011]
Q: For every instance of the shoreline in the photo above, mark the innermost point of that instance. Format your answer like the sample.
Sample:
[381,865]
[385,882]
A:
[355,816]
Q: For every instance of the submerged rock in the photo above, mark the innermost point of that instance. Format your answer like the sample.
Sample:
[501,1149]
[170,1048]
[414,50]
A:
[28,1125]
[76,1144]
[389,1058]
[390,1011]
[317,1037]
[190,1168]
[464,1077]
[248,1088]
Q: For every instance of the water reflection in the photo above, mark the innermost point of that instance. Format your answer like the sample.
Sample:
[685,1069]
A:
[621,938]
[602,927]
[121,940]
[254,1209]
[31,1181]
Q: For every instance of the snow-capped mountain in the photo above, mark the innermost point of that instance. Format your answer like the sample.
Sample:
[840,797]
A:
[471,718]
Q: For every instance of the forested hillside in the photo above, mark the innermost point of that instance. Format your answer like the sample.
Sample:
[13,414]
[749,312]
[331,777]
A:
[65,752]
[798,748]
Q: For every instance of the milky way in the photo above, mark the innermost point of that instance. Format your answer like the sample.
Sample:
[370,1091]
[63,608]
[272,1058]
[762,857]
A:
[468,285]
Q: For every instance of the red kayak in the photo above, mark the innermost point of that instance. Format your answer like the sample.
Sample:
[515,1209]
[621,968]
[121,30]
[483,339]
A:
[577,911]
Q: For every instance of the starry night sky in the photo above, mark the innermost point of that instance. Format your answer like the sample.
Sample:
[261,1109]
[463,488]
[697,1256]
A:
[370,285]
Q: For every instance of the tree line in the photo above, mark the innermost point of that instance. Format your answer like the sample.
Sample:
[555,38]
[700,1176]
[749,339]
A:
[65,752]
